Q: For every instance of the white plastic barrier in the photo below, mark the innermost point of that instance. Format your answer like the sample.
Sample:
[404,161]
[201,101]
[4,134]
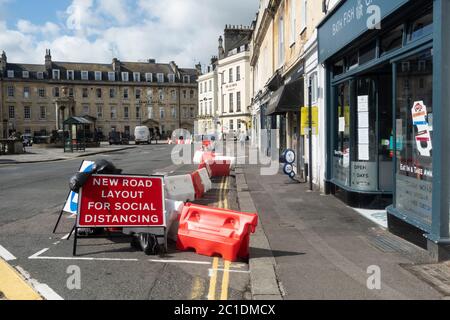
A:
[173,212]
[198,156]
[179,188]
[206,181]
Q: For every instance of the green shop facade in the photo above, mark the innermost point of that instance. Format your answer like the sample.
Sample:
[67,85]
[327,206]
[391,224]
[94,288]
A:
[388,112]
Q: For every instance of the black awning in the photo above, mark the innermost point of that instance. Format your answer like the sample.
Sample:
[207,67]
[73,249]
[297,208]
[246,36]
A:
[275,82]
[288,98]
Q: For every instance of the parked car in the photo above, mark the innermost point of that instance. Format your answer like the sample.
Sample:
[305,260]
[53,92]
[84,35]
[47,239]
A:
[27,140]
[118,138]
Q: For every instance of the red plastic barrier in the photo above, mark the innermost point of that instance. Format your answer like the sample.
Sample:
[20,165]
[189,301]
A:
[198,185]
[219,168]
[211,231]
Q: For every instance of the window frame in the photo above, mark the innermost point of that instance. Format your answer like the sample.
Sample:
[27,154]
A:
[42,111]
[27,110]
[111,76]
[136,77]
[56,74]
[70,75]
[85,75]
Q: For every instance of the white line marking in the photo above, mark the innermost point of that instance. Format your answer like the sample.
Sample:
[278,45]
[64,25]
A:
[43,289]
[82,259]
[37,256]
[180,261]
[6,255]
[34,256]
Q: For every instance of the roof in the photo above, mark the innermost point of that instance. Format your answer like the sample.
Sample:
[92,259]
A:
[130,67]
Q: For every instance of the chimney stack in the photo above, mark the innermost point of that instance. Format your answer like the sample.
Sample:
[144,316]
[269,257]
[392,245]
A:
[48,60]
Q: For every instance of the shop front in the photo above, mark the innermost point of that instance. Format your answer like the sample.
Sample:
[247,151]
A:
[385,142]
[283,110]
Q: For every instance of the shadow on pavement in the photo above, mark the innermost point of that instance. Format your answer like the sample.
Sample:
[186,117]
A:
[265,253]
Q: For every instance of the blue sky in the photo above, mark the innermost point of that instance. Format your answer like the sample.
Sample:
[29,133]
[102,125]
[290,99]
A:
[37,11]
[184,31]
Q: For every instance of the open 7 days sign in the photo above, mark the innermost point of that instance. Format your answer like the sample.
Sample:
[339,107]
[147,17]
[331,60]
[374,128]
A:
[122,201]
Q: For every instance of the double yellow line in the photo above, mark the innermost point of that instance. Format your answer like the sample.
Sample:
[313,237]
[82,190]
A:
[223,201]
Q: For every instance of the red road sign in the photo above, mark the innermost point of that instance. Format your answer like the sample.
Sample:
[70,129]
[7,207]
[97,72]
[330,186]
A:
[122,201]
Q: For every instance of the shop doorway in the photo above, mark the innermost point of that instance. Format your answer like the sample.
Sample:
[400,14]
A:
[373,138]
[364,137]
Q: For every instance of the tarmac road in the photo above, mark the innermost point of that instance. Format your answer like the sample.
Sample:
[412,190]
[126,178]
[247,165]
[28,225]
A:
[31,197]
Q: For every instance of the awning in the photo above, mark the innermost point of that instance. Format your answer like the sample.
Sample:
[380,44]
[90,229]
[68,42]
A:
[288,98]
[77,121]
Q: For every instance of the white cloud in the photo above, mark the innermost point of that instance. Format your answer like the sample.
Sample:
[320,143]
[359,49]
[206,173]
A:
[185,31]
[49,29]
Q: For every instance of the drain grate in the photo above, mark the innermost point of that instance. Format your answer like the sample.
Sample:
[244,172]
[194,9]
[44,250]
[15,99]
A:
[437,275]
[389,244]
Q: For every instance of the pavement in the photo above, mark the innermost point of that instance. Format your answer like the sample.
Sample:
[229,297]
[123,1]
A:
[312,246]
[31,197]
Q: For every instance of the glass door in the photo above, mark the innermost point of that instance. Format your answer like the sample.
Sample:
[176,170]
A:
[341,155]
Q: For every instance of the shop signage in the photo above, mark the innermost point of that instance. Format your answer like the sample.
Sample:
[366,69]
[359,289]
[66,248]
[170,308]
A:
[304,130]
[122,201]
[364,176]
[423,136]
[351,20]
[414,198]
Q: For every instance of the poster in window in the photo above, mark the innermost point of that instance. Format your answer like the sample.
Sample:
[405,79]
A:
[422,134]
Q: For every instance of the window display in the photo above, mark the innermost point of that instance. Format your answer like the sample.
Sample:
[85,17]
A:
[414,141]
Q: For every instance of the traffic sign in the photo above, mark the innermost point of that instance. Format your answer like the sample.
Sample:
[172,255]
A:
[122,201]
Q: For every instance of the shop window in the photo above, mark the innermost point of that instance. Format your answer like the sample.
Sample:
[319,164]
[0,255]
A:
[367,53]
[414,139]
[338,68]
[341,161]
[352,61]
[391,41]
[421,27]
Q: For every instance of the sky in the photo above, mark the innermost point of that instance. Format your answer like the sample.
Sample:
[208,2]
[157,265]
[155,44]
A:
[184,31]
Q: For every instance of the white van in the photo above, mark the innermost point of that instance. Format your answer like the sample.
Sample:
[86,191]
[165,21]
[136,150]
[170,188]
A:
[142,135]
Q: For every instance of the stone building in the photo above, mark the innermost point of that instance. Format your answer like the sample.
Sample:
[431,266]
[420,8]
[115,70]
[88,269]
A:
[224,90]
[35,99]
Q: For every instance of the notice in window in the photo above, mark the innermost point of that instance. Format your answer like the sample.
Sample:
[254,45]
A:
[363,120]
[342,124]
[363,136]
[363,103]
[363,152]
